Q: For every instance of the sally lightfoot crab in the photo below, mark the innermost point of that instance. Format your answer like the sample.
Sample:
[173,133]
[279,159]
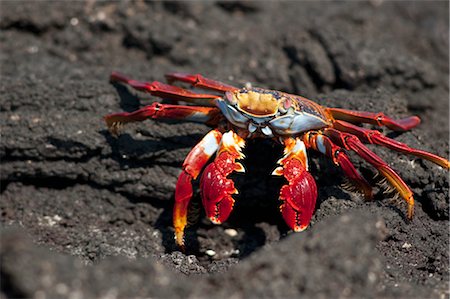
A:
[236,114]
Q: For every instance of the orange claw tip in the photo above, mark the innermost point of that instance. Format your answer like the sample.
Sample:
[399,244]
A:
[446,164]
[239,167]
[278,171]
[179,239]
[215,220]
[410,211]
[300,228]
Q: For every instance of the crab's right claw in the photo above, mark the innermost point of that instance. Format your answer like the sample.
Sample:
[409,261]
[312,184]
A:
[216,188]
[299,195]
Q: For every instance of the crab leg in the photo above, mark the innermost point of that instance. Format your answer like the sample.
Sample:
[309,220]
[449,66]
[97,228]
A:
[324,145]
[216,188]
[299,195]
[375,137]
[192,166]
[351,142]
[378,119]
[163,90]
[163,111]
[199,81]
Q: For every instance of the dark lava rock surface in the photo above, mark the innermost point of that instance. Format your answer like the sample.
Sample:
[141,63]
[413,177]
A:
[85,215]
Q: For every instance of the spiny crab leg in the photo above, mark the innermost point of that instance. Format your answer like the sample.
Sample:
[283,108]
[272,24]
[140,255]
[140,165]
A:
[162,111]
[162,90]
[216,189]
[351,142]
[299,195]
[375,137]
[199,81]
[378,119]
[192,166]
[324,145]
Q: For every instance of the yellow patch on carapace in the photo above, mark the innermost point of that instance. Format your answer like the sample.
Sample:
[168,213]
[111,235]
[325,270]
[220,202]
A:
[255,103]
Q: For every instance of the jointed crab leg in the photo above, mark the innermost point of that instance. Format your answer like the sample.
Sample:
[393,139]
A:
[375,137]
[216,188]
[324,145]
[351,142]
[163,111]
[300,194]
[199,81]
[378,119]
[192,166]
[163,90]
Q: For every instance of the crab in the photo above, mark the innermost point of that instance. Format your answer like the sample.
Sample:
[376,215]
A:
[299,124]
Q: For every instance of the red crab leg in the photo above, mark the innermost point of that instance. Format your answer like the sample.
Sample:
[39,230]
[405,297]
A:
[199,81]
[378,119]
[162,90]
[192,166]
[299,195]
[163,111]
[324,145]
[375,137]
[351,142]
[216,188]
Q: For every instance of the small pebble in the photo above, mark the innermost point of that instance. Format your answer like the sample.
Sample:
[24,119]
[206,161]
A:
[231,232]
[74,21]
[406,245]
[210,252]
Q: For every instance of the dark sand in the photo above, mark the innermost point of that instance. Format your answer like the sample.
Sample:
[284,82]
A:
[87,215]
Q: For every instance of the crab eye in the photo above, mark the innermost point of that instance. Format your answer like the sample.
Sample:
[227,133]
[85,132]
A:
[231,98]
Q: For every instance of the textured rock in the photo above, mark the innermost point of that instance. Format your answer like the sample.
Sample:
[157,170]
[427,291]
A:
[103,205]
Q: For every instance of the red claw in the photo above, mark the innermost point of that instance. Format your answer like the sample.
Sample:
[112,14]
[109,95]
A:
[192,166]
[216,188]
[300,194]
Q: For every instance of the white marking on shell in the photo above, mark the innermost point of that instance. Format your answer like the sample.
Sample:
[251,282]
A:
[251,127]
[321,145]
[281,123]
[297,123]
[232,115]
[210,145]
[305,122]
[267,131]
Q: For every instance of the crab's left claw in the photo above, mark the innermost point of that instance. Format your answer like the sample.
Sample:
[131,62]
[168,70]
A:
[299,195]
[216,188]
[192,166]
